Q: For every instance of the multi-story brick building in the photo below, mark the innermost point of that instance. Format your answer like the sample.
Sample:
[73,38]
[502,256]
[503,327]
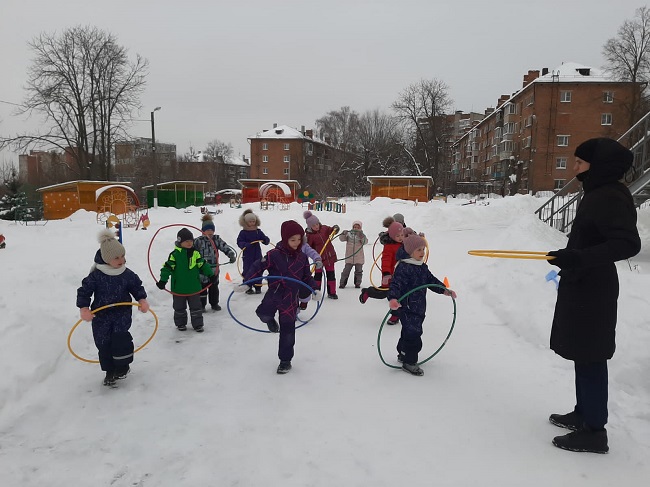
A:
[534,132]
[286,153]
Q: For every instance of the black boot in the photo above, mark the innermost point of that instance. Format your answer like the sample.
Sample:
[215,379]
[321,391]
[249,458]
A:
[571,421]
[284,367]
[121,372]
[583,440]
[109,380]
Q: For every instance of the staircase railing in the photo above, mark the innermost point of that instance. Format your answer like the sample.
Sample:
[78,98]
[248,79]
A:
[559,211]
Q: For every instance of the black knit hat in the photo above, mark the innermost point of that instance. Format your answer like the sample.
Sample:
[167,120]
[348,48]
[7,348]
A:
[183,235]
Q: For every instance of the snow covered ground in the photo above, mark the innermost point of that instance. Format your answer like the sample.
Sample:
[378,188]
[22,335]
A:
[209,409]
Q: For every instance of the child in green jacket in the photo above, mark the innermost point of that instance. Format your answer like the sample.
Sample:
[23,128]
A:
[185,265]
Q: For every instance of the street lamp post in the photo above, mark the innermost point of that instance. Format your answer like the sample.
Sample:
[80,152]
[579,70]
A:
[154,162]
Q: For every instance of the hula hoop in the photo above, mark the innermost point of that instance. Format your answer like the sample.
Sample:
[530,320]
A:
[512,254]
[372,283]
[451,329]
[99,309]
[319,303]
[245,283]
[353,253]
[149,256]
[241,253]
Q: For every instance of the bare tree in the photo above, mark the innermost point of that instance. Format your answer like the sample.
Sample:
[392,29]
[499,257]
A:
[85,87]
[340,127]
[421,108]
[380,140]
[628,54]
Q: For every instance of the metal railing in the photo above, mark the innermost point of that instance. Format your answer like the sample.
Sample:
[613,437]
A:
[560,210]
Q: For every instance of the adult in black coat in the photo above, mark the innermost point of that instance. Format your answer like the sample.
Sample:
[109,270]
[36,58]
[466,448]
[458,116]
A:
[603,232]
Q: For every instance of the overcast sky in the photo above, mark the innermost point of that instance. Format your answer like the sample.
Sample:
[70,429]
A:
[228,69]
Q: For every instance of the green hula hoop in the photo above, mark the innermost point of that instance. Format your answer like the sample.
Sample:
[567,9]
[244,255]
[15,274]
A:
[451,329]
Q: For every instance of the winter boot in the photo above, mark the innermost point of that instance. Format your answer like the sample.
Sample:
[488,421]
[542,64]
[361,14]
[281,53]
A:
[284,367]
[109,380]
[344,282]
[571,421]
[199,329]
[182,328]
[273,327]
[258,290]
[216,307]
[250,291]
[393,320]
[363,297]
[412,369]
[121,372]
[583,440]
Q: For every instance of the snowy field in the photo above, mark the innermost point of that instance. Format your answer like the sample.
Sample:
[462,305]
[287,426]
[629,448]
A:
[209,410]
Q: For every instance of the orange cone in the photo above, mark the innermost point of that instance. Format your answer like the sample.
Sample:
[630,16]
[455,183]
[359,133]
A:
[228,278]
[445,281]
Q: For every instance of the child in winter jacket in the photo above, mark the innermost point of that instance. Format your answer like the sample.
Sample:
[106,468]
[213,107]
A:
[318,238]
[288,260]
[109,282]
[392,241]
[248,240]
[355,239]
[410,273]
[185,265]
[208,246]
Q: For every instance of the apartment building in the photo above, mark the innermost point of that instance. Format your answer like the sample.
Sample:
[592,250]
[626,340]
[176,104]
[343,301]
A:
[286,153]
[532,133]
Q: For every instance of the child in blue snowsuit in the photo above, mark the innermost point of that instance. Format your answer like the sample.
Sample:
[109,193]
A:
[288,260]
[410,273]
[249,241]
[111,282]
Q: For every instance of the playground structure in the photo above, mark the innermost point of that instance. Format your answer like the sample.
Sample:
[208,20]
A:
[330,204]
[275,195]
[413,188]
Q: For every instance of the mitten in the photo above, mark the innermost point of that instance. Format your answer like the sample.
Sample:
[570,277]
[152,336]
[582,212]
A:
[161,285]
[345,232]
[336,229]
[213,279]
[565,258]
[233,258]
[318,264]
[385,281]
[394,304]
[266,241]
[451,293]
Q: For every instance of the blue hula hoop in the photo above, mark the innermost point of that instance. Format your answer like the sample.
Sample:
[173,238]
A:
[256,279]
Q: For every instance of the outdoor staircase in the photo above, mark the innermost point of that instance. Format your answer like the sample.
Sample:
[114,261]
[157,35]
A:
[560,210]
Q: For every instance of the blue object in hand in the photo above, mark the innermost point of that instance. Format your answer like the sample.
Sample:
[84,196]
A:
[552,276]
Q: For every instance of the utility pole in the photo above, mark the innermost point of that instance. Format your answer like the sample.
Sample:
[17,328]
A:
[154,162]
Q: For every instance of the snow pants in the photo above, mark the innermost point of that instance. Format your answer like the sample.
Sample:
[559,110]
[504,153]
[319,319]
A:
[410,341]
[181,303]
[282,301]
[358,274]
[114,343]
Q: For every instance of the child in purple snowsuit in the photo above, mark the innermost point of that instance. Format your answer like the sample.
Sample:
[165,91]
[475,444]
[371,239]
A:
[288,260]
[250,233]
[410,273]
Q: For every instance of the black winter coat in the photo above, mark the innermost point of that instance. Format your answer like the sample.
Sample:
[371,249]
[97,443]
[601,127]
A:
[603,232]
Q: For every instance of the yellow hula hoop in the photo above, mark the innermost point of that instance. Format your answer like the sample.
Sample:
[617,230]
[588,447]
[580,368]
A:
[512,254]
[371,268]
[104,307]
[312,268]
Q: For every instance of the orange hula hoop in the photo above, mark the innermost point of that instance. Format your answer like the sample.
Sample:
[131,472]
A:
[512,254]
[74,327]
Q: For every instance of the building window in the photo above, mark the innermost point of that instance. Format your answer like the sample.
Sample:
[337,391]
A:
[287,158]
[606,119]
[310,149]
[286,171]
[608,97]
[511,109]
[265,170]
[286,146]
[565,96]
[265,158]
[526,142]
[559,184]
[560,163]
[562,140]
[265,146]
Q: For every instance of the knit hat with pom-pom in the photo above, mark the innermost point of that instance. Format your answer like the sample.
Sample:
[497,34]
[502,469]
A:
[310,218]
[398,217]
[110,247]
[208,224]
[395,229]
[413,242]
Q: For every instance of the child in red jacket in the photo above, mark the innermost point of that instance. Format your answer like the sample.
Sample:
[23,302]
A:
[392,241]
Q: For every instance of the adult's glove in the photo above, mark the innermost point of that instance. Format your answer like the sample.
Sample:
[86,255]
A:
[565,258]
[394,304]
[385,281]
[318,264]
[161,284]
